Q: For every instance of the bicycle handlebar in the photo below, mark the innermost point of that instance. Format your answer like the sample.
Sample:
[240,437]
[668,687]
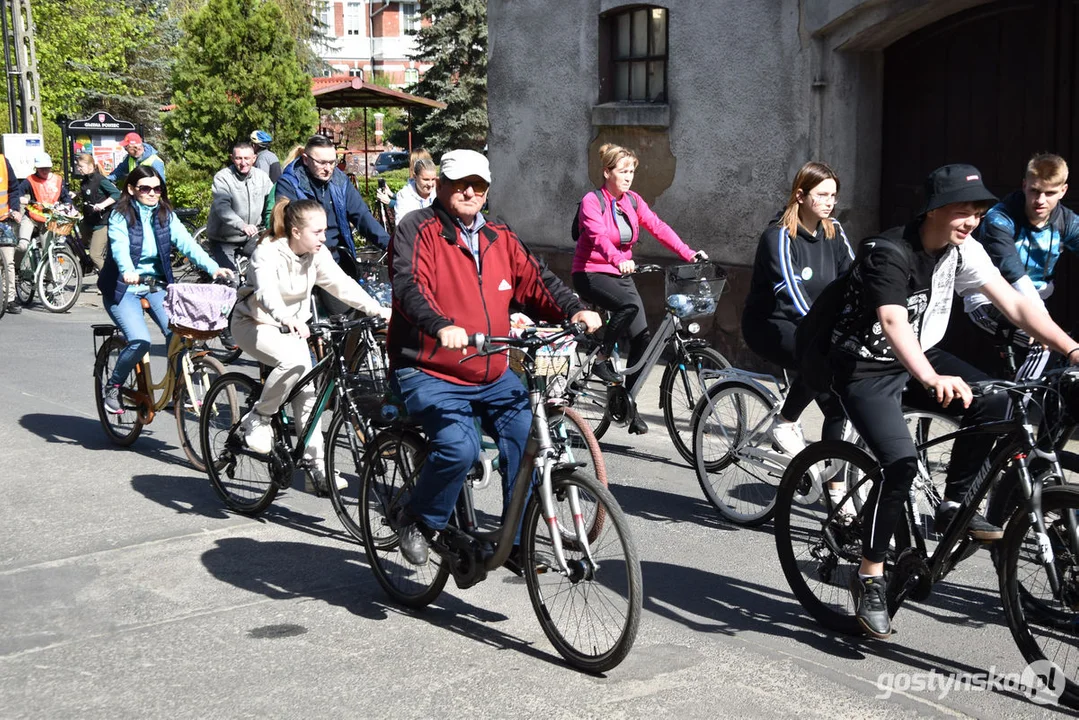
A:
[529,340]
[989,387]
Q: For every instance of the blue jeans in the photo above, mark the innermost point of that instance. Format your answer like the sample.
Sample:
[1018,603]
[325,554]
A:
[127,314]
[447,412]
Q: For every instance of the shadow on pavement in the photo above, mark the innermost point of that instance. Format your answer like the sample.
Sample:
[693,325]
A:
[651,504]
[195,495]
[711,603]
[88,433]
[340,576]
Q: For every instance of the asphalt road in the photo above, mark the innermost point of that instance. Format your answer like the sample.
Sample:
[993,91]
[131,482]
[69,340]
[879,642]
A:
[128,591]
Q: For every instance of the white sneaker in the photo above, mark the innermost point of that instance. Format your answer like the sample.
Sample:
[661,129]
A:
[257,433]
[787,436]
[315,474]
[847,512]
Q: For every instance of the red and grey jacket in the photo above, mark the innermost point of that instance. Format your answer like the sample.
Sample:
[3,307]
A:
[437,282]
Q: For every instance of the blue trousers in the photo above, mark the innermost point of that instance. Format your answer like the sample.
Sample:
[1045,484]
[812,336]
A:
[128,316]
[448,411]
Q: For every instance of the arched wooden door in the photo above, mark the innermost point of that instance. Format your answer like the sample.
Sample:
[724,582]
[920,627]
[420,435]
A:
[990,86]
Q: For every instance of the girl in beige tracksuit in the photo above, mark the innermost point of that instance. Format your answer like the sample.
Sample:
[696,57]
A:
[284,269]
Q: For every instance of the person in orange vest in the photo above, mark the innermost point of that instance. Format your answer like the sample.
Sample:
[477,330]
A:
[9,213]
[44,187]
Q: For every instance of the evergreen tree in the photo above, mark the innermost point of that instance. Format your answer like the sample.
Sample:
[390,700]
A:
[455,43]
[236,70]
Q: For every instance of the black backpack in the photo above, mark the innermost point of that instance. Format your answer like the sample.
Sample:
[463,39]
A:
[813,336]
[575,228]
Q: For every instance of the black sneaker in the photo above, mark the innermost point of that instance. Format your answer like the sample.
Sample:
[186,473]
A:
[872,605]
[111,397]
[513,562]
[413,544]
[14,308]
[637,426]
[605,371]
[980,529]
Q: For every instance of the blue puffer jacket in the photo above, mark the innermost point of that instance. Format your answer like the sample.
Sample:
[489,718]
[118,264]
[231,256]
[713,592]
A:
[344,206]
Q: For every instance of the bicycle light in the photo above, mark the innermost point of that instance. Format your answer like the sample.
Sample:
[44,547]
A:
[693,328]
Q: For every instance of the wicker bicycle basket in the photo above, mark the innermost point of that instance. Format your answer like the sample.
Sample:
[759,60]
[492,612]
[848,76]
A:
[550,361]
[60,225]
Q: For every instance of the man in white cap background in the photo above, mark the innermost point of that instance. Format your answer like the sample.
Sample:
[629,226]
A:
[45,187]
[138,153]
[455,273]
[895,310]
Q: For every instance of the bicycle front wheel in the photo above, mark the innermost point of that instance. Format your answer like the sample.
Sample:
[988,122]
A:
[589,393]
[819,555]
[729,418]
[683,383]
[25,278]
[124,428]
[590,615]
[578,449]
[188,402]
[59,282]
[345,445]
[1044,623]
[390,468]
[243,480]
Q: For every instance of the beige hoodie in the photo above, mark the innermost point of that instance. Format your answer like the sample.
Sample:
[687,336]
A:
[280,284]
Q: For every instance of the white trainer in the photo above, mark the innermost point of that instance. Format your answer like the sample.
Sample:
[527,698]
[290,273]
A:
[787,436]
[257,433]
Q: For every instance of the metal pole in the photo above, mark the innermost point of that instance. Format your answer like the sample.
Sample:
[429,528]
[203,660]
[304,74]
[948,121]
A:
[366,175]
[409,111]
[13,120]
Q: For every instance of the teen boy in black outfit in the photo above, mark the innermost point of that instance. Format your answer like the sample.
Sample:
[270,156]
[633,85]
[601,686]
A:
[896,309]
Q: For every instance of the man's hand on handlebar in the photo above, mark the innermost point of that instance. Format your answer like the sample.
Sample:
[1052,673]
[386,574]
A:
[224,274]
[295,327]
[626,267]
[453,337]
[591,320]
[946,388]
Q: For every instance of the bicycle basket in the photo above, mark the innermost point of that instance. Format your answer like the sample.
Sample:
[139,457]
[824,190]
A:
[693,290]
[199,310]
[551,359]
[60,225]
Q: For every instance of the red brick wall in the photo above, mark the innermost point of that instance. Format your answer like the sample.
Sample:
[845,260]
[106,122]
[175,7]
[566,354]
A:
[338,19]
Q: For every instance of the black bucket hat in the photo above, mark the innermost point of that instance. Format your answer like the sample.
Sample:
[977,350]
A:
[955,184]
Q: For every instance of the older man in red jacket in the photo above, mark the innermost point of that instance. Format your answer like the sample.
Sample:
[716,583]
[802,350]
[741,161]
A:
[455,273]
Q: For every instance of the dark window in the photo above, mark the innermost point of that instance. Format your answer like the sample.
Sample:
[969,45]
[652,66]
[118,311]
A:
[633,55]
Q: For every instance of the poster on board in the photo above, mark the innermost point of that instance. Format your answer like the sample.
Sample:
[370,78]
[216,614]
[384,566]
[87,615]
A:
[20,149]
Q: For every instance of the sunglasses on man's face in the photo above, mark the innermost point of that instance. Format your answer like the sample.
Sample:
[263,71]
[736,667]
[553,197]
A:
[148,189]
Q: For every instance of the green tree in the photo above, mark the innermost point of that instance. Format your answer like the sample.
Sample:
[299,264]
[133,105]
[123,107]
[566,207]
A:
[82,48]
[236,70]
[455,43]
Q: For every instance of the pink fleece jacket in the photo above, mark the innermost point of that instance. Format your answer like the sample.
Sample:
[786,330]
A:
[599,247]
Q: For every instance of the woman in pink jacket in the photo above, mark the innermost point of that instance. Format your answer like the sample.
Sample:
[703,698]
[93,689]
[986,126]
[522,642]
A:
[603,262]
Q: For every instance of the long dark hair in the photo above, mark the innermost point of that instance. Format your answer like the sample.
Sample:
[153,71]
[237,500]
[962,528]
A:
[126,204]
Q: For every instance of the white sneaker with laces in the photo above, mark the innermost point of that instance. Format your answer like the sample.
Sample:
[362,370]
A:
[787,436]
[257,433]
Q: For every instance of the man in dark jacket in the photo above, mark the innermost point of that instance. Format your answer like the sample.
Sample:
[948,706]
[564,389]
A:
[318,178]
[455,273]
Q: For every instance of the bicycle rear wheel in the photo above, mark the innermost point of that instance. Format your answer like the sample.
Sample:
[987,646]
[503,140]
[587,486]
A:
[818,555]
[1044,624]
[345,446]
[187,405]
[575,443]
[589,394]
[683,383]
[59,282]
[591,615]
[390,467]
[730,417]
[124,428]
[243,480]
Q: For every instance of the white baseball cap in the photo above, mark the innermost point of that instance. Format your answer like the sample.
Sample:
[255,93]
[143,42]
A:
[458,164]
[42,160]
